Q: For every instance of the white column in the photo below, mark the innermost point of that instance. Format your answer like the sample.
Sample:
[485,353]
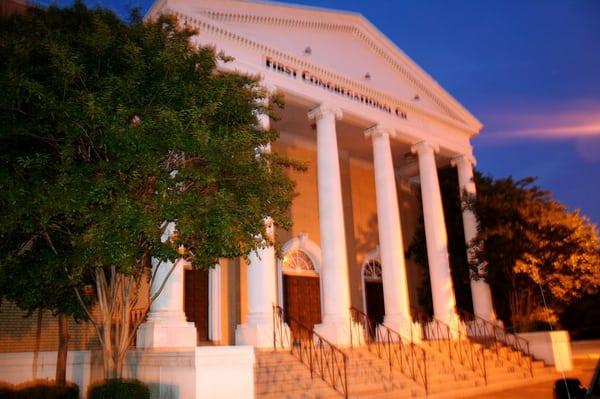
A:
[334,271]
[166,317]
[393,266]
[214,303]
[261,285]
[261,288]
[480,290]
[442,290]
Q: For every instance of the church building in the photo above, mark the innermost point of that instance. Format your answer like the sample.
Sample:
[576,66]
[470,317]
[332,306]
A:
[373,129]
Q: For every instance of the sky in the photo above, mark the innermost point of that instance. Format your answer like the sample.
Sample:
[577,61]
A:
[529,70]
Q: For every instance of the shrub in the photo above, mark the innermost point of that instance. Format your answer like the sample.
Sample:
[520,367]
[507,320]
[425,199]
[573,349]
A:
[45,390]
[119,389]
[7,391]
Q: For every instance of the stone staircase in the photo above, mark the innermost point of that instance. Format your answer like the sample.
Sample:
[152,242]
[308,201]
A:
[451,379]
[281,375]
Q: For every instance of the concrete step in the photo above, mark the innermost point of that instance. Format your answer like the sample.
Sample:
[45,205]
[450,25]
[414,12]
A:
[281,375]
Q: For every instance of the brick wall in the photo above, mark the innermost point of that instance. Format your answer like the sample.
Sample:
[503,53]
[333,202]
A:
[20,332]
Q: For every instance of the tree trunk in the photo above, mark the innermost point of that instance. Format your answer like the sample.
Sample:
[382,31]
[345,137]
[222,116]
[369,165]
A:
[63,348]
[38,338]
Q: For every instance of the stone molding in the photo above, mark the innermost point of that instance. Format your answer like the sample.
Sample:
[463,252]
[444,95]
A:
[378,131]
[463,159]
[202,23]
[323,111]
[423,146]
[365,32]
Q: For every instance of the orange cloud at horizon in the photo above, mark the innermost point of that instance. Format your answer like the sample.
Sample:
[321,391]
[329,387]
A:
[580,120]
[558,132]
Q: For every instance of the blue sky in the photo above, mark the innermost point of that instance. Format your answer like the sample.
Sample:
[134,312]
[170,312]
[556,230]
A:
[528,69]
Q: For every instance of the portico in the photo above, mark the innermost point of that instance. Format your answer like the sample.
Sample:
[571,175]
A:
[373,129]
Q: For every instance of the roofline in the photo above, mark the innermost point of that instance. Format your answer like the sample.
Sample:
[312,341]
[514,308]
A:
[415,68]
[470,121]
[305,7]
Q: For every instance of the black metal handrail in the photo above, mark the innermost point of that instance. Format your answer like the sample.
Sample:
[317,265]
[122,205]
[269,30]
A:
[495,337]
[322,357]
[399,352]
[452,341]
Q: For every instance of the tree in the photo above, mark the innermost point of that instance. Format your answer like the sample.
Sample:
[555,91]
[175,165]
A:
[540,256]
[43,287]
[529,243]
[110,130]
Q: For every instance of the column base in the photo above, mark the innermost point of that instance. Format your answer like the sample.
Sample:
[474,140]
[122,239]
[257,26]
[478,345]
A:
[335,330]
[166,334]
[457,328]
[408,330]
[482,300]
[257,332]
[358,334]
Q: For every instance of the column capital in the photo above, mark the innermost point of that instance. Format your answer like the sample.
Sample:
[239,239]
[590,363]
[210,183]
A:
[378,131]
[324,110]
[463,160]
[423,147]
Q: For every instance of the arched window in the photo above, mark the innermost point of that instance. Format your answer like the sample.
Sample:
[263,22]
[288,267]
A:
[372,271]
[297,261]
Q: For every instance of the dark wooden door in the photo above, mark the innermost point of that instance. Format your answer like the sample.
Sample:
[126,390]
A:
[302,299]
[196,301]
[375,304]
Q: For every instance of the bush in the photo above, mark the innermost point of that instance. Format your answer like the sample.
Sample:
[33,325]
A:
[119,389]
[7,391]
[39,390]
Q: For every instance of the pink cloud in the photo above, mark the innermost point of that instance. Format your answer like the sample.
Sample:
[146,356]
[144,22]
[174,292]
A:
[555,132]
[558,121]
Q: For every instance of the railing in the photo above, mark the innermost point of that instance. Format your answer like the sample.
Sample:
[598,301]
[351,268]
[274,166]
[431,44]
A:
[495,337]
[322,357]
[400,353]
[454,342]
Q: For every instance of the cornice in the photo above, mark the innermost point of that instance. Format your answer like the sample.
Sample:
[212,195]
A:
[203,22]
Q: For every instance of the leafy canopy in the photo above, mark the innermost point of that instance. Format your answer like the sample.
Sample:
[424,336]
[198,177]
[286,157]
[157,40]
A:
[108,129]
[526,241]
[532,243]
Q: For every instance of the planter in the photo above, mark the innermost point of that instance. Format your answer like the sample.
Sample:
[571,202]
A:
[553,347]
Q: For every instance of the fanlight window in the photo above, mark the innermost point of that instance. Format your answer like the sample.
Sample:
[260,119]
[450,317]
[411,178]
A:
[372,271]
[297,261]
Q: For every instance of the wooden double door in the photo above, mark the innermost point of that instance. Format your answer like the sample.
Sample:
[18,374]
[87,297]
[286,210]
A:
[302,300]
[196,302]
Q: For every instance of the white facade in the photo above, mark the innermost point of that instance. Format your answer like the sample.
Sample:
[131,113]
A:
[336,69]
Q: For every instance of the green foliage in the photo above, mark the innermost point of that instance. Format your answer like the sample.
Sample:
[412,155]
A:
[96,115]
[42,389]
[108,130]
[526,241]
[533,244]
[119,389]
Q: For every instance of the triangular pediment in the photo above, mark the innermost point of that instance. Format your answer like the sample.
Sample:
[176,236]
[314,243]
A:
[343,44]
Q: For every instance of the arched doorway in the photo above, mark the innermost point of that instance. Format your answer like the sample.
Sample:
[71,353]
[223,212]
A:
[196,302]
[373,291]
[300,289]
